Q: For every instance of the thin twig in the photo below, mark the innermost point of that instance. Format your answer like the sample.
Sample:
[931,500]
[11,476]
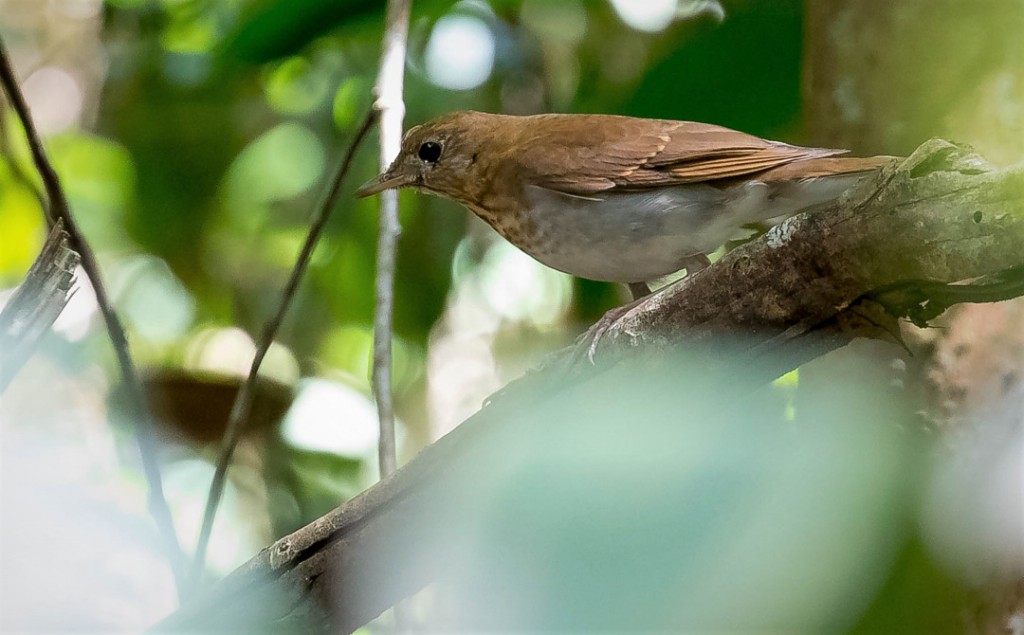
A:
[243,401]
[392,109]
[141,417]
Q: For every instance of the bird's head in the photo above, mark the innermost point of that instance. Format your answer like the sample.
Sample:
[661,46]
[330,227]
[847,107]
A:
[440,157]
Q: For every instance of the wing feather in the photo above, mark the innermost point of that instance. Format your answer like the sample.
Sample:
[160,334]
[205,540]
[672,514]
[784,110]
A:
[610,152]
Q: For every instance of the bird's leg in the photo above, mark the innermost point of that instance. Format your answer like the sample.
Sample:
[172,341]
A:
[639,291]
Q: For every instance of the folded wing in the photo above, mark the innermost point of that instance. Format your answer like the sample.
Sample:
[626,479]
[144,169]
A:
[621,153]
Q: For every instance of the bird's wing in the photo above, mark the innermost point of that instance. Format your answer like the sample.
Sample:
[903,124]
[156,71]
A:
[625,153]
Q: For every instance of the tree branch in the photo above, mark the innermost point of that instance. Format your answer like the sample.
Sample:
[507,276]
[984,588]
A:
[36,303]
[243,401]
[140,415]
[940,216]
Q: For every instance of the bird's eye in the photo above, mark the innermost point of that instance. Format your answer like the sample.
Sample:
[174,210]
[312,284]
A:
[430,152]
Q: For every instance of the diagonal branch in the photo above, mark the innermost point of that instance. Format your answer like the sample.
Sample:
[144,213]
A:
[140,414]
[939,216]
[243,401]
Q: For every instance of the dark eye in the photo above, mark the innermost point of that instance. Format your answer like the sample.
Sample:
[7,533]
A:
[430,152]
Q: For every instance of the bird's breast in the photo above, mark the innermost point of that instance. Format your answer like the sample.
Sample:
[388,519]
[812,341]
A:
[641,235]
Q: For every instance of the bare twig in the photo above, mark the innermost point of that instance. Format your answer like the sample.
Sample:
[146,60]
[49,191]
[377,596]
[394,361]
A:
[243,401]
[392,108]
[141,417]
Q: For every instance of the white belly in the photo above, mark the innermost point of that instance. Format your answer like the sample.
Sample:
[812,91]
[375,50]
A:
[643,235]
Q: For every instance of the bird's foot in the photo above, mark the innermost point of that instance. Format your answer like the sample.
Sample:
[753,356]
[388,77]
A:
[587,343]
[639,290]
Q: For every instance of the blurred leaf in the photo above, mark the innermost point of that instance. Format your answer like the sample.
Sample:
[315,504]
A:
[280,164]
[99,179]
[153,301]
[323,480]
[282,246]
[190,34]
[21,228]
[348,102]
[349,348]
[296,86]
[94,169]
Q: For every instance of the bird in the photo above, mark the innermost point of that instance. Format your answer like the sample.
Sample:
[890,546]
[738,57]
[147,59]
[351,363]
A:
[616,198]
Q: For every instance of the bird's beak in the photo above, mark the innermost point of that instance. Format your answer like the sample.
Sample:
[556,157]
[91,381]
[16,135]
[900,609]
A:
[386,181]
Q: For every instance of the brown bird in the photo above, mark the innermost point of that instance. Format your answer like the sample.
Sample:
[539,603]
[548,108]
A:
[616,198]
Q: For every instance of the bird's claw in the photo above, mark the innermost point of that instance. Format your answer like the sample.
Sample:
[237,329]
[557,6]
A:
[594,334]
[589,340]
